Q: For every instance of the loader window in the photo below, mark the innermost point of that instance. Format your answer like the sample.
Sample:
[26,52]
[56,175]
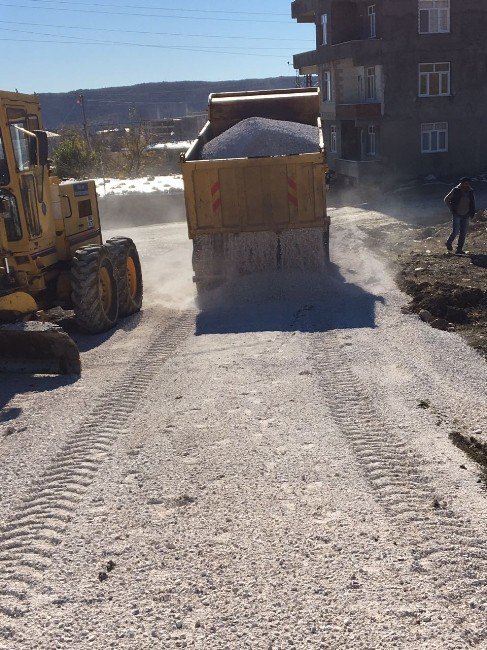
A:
[21,145]
[21,142]
[12,222]
[29,201]
[4,175]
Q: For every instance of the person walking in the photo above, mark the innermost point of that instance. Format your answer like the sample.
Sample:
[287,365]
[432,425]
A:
[461,203]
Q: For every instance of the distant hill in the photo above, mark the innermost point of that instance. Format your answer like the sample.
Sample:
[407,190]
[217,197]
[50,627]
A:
[126,104]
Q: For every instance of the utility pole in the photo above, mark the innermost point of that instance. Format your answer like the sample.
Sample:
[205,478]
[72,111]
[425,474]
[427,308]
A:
[81,102]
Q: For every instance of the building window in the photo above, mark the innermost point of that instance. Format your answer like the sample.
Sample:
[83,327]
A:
[333,138]
[360,88]
[327,86]
[434,16]
[434,79]
[434,137]
[372,21]
[370,85]
[324,29]
[371,140]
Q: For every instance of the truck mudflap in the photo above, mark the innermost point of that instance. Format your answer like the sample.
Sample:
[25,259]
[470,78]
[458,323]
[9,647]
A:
[220,257]
[38,348]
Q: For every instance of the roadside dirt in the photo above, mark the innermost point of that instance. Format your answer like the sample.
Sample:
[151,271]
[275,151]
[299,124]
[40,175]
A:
[448,291]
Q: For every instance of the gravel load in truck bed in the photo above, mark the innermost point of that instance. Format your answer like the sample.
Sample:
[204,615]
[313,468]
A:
[257,136]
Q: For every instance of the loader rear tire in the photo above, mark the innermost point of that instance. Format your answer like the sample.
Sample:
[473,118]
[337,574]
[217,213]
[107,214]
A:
[94,290]
[128,274]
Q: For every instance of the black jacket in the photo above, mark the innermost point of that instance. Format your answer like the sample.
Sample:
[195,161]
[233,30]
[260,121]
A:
[453,199]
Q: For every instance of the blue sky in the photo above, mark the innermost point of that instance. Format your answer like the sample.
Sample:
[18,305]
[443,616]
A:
[58,45]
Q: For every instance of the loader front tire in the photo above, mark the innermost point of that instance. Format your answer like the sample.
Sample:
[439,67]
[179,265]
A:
[128,274]
[94,290]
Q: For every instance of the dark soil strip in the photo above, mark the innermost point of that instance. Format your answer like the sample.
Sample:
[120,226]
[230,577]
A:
[475,449]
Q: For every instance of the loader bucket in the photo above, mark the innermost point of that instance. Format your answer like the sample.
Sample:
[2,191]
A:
[38,348]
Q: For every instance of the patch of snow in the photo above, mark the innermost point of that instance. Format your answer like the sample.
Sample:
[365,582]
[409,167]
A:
[182,145]
[104,131]
[144,185]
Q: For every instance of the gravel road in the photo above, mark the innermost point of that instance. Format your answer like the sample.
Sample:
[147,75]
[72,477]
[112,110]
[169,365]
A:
[257,136]
[269,468]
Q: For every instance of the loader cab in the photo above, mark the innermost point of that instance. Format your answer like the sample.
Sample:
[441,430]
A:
[28,230]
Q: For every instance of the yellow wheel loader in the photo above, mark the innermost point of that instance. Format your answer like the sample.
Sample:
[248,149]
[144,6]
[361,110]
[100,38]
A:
[51,251]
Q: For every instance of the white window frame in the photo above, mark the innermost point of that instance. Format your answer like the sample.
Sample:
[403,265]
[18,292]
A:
[370,84]
[371,146]
[372,21]
[326,81]
[432,134]
[427,76]
[360,87]
[333,139]
[437,15]
[324,29]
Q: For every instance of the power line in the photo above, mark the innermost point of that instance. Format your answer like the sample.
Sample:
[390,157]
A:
[148,33]
[176,47]
[123,44]
[121,13]
[180,10]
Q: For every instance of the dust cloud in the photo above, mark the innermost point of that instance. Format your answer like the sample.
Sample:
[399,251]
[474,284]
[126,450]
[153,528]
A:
[168,278]
[128,210]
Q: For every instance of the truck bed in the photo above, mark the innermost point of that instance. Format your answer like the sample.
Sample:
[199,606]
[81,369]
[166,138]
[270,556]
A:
[241,195]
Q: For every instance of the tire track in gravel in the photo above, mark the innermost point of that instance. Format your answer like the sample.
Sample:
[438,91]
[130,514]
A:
[442,543]
[29,538]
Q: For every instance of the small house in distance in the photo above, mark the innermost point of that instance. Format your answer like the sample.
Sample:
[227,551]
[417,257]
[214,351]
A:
[404,85]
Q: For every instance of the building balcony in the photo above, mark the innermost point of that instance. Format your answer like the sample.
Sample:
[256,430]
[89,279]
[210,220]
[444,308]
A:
[304,11]
[361,52]
[361,111]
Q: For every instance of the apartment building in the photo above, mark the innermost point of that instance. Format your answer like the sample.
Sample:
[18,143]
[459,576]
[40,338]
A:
[404,85]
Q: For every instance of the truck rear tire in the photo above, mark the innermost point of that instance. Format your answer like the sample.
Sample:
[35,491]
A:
[128,274]
[94,291]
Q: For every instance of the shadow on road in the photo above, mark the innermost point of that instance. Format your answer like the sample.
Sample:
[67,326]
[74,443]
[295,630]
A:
[303,302]
[87,342]
[14,384]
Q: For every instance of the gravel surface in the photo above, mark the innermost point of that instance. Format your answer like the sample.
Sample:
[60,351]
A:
[258,136]
[269,469]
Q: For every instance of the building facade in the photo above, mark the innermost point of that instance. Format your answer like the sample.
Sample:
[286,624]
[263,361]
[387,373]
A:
[404,85]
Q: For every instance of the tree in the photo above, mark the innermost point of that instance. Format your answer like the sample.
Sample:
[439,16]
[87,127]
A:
[135,148]
[73,158]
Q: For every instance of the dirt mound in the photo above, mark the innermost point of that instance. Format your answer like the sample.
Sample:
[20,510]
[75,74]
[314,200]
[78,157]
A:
[447,287]
[448,291]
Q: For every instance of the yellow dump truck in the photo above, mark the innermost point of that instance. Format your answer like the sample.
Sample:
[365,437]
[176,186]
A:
[247,214]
